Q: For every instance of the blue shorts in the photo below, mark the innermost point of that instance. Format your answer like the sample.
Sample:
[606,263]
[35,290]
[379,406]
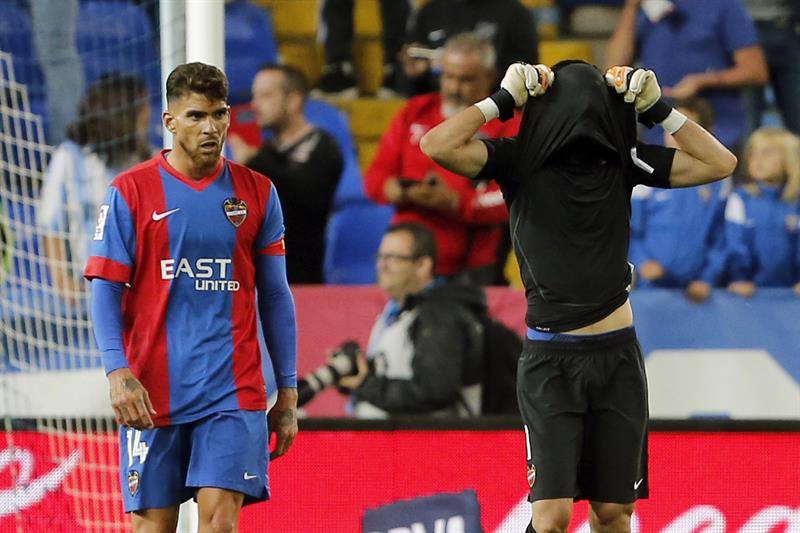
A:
[165,466]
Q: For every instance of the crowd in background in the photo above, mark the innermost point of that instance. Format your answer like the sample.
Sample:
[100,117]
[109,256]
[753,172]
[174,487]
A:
[714,58]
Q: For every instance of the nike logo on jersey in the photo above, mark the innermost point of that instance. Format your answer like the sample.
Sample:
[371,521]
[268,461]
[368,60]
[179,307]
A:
[248,477]
[165,214]
[636,485]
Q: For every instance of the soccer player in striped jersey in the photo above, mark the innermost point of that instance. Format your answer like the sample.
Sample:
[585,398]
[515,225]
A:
[182,243]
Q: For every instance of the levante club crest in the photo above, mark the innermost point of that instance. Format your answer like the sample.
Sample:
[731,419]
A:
[133,482]
[235,210]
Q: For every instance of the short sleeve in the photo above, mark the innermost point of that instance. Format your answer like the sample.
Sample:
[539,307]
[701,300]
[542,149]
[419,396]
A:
[113,245]
[652,165]
[738,30]
[270,237]
[502,153]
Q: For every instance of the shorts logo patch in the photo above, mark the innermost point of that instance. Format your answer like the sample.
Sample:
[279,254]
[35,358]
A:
[235,210]
[133,482]
[531,475]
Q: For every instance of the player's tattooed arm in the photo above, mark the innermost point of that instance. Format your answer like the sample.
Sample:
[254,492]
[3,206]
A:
[283,421]
[130,400]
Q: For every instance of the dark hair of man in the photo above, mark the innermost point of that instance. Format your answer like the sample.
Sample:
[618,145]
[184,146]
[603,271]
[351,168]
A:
[424,239]
[107,118]
[293,78]
[700,107]
[198,78]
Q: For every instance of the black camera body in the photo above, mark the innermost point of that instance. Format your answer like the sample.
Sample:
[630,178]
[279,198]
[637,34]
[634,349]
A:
[343,362]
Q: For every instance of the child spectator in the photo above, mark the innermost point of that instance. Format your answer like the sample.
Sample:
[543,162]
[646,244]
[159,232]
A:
[761,218]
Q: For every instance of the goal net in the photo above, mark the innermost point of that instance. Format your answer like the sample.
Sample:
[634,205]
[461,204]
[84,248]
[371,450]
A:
[59,448]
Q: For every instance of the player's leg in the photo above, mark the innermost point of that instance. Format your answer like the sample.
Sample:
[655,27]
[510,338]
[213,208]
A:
[153,475]
[616,439]
[610,517]
[218,510]
[551,516]
[552,404]
[228,466]
[164,520]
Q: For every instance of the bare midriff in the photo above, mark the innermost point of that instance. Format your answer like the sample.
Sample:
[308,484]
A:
[621,317]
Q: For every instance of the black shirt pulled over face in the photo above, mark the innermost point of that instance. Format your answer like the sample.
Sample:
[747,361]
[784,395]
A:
[567,180]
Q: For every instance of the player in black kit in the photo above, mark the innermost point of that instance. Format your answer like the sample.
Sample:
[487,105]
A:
[567,179]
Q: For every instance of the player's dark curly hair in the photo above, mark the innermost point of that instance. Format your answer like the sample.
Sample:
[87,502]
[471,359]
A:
[108,116]
[199,78]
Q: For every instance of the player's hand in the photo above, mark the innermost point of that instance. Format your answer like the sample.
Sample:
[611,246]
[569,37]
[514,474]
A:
[282,420]
[745,289]
[522,80]
[651,270]
[698,291]
[638,86]
[130,400]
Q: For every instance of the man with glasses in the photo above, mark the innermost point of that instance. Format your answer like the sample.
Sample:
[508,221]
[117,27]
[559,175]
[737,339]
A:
[424,351]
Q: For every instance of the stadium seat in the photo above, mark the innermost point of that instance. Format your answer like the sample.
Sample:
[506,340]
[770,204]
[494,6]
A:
[16,38]
[114,36]
[353,235]
[249,44]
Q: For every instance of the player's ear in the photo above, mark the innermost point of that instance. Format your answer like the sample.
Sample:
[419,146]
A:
[169,121]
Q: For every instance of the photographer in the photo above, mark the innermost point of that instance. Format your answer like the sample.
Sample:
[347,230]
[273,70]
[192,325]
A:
[424,355]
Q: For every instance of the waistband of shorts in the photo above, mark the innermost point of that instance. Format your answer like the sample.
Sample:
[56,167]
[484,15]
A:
[580,343]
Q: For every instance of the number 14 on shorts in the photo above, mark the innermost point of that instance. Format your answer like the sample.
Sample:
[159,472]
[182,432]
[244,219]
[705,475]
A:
[136,447]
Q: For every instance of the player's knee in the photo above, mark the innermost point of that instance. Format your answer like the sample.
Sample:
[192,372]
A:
[220,520]
[610,517]
[551,518]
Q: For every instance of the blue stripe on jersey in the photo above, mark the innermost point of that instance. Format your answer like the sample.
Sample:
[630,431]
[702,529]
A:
[199,327]
[114,236]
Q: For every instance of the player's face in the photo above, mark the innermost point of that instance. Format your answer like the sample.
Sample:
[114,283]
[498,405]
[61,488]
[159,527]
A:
[396,265]
[465,80]
[269,98]
[765,162]
[199,127]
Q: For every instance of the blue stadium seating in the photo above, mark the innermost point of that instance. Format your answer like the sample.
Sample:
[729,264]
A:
[115,36]
[352,238]
[249,44]
[16,38]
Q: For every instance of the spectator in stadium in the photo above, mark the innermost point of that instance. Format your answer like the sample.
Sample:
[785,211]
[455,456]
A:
[568,176]
[53,24]
[109,135]
[303,161]
[778,26]
[336,33]
[677,234]
[507,24]
[707,48]
[425,350]
[465,216]
[193,242]
[762,218]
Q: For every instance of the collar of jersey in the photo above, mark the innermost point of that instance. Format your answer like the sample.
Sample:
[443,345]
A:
[197,185]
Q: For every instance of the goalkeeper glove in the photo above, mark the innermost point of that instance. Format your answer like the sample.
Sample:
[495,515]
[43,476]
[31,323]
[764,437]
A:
[640,87]
[520,81]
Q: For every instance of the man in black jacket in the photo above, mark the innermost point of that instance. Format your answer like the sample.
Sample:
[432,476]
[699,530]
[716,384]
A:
[303,161]
[424,352]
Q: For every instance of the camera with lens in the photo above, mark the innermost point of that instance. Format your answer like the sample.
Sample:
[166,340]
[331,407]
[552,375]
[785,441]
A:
[342,363]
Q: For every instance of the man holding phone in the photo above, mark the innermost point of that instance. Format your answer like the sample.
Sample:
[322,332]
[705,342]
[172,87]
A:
[466,218]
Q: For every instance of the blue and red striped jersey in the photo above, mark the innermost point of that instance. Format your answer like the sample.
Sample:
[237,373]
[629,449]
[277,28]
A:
[186,251]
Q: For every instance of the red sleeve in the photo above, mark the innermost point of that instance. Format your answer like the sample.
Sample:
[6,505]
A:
[276,248]
[387,163]
[107,269]
[484,205]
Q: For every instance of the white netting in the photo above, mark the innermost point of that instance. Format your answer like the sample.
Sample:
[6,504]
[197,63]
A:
[59,453]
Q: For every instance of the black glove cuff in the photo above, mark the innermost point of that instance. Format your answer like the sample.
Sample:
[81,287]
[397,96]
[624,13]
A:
[656,114]
[505,104]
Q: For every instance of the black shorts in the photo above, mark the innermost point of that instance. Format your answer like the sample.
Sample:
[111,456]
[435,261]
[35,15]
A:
[584,406]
